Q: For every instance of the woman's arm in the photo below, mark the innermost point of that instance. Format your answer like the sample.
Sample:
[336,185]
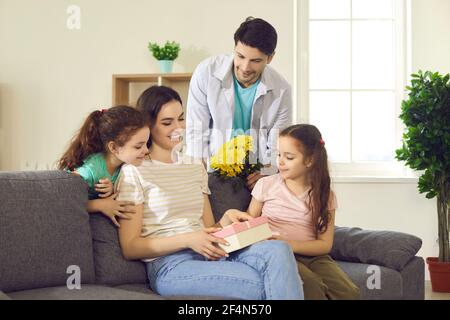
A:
[136,247]
[208,218]
[318,247]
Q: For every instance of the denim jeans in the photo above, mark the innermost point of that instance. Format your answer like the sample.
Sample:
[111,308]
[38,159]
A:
[265,270]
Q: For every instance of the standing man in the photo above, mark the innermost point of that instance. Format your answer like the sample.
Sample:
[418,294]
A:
[239,94]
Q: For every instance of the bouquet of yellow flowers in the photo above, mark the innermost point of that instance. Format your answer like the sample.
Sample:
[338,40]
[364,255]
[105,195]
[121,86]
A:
[236,159]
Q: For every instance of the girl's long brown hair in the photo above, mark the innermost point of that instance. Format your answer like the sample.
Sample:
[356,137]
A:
[115,124]
[313,148]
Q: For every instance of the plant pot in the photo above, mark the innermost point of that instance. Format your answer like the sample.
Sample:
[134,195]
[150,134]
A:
[224,196]
[439,274]
[165,66]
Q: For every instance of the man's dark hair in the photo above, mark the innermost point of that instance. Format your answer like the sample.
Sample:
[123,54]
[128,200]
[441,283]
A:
[257,33]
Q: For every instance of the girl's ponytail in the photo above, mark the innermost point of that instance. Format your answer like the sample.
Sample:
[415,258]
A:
[320,188]
[86,142]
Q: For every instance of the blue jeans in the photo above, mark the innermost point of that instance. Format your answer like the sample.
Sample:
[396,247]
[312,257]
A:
[265,270]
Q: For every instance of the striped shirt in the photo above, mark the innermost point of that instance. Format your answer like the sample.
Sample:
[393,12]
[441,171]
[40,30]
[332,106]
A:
[172,194]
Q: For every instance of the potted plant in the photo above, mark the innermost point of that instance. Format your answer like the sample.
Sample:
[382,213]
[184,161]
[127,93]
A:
[426,146]
[165,55]
[232,164]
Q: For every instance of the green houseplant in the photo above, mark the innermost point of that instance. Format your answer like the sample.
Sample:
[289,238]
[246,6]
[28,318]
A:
[165,54]
[426,146]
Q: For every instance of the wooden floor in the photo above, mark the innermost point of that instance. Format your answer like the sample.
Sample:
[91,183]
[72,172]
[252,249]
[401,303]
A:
[431,295]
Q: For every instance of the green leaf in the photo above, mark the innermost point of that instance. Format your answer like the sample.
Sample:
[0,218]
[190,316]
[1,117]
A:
[169,51]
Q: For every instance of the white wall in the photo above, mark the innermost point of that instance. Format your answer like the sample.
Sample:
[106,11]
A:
[51,77]
[431,34]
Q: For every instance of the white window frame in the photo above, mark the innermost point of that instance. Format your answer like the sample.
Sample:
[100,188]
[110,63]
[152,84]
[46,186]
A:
[358,170]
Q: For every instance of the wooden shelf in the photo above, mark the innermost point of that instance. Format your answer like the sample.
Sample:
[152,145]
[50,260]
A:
[127,87]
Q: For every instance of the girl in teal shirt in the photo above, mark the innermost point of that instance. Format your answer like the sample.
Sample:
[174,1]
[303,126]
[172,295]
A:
[107,139]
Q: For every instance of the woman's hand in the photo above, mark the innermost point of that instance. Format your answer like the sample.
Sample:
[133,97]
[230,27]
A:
[233,215]
[113,208]
[206,244]
[104,188]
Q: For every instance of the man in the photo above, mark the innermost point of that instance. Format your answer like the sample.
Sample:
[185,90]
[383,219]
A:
[239,94]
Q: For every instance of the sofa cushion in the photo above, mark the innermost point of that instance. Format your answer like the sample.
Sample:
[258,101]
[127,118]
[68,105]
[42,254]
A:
[385,248]
[224,197]
[363,275]
[110,266]
[44,229]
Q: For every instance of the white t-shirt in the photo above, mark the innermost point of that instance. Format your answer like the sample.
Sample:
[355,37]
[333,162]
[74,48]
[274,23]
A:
[172,195]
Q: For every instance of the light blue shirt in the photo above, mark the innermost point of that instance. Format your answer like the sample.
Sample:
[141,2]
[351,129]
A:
[210,109]
[243,103]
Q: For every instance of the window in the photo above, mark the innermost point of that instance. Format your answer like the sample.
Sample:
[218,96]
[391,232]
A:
[352,74]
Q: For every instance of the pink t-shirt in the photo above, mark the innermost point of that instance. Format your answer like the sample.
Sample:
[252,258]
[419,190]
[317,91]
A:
[288,214]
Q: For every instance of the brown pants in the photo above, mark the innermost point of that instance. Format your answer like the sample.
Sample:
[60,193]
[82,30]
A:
[324,279]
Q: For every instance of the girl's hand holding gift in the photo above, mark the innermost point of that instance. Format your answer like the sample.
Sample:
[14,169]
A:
[233,215]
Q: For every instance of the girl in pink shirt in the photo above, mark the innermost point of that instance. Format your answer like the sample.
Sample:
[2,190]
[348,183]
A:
[301,207]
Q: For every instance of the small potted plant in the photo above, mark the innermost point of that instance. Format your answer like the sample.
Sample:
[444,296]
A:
[165,55]
[426,146]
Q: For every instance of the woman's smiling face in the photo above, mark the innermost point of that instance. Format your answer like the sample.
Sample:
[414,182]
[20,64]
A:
[168,129]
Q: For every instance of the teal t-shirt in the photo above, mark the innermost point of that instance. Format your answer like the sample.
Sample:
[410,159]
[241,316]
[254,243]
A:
[243,104]
[94,169]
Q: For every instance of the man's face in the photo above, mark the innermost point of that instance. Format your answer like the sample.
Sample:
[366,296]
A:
[249,64]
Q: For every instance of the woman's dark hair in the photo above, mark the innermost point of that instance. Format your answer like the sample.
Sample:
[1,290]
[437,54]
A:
[117,124]
[151,101]
[257,33]
[313,148]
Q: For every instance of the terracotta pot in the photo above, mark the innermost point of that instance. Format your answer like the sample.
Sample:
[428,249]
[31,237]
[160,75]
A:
[439,274]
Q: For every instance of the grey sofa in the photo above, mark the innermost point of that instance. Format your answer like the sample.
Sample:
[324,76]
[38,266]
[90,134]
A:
[49,244]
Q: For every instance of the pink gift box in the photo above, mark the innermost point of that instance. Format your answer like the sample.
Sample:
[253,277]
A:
[242,234]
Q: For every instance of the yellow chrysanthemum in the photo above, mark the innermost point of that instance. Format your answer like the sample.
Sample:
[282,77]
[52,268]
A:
[230,158]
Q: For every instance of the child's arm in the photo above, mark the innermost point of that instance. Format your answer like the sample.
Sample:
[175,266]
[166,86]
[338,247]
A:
[318,247]
[235,215]
[255,208]
[112,208]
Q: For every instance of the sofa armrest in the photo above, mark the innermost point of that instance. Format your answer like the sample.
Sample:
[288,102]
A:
[385,248]
[3,296]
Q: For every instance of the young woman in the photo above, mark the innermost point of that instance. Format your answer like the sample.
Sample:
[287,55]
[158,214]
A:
[173,225]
